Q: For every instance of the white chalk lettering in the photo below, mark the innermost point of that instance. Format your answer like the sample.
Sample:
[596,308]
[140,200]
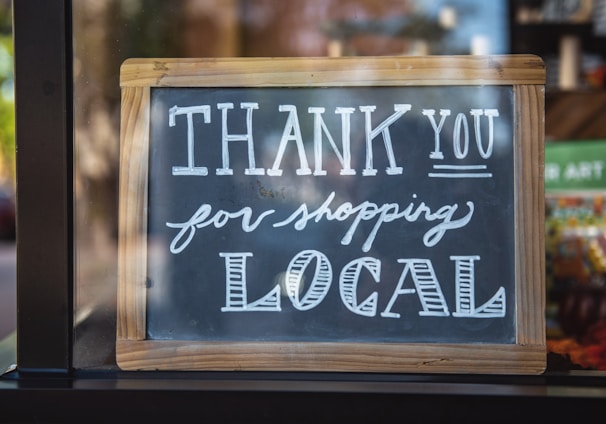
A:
[460,132]
[202,218]
[348,283]
[382,128]
[248,137]
[465,296]
[426,286]
[365,211]
[320,282]
[190,169]
[388,212]
[460,151]
[436,153]
[236,289]
[320,128]
[292,132]
[491,114]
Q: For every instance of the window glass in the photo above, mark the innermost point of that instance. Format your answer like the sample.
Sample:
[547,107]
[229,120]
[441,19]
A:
[8,295]
[106,32]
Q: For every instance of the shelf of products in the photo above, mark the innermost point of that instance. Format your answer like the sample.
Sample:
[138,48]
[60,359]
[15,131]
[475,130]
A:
[570,36]
[575,236]
[576,277]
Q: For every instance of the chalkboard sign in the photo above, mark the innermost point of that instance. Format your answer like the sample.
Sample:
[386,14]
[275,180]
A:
[337,214]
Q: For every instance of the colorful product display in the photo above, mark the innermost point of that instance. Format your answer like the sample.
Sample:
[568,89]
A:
[575,220]
[576,277]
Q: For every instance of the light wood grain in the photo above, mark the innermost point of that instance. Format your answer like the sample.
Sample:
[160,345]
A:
[132,246]
[343,71]
[338,357]
[529,195]
[525,72]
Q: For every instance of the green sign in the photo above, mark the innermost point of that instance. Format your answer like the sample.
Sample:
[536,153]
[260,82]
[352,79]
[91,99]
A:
[576,165]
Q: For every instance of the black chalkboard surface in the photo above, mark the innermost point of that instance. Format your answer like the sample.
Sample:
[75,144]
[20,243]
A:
[418,221]
[352,214]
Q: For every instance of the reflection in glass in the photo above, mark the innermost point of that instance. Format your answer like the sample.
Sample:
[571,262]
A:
[110,31]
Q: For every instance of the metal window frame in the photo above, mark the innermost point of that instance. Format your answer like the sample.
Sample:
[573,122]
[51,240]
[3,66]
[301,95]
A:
[44,161]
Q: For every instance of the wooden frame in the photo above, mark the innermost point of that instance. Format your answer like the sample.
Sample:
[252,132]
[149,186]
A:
[526,73]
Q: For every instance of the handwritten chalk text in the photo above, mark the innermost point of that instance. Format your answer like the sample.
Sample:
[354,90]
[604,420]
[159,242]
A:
[425,285]
[301,217]
[292,133]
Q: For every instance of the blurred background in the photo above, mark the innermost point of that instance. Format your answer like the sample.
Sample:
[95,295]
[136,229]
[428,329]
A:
[8,307]
[570,36]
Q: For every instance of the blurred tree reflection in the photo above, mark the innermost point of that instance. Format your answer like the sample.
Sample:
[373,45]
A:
[108,32]
[7,106]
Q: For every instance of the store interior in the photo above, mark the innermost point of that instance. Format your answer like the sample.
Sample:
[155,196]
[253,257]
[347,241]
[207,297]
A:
[570,37]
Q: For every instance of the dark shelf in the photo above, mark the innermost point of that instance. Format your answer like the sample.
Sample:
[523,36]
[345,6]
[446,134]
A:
[544,38]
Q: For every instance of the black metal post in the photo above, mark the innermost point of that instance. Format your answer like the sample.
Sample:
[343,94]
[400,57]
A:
[44,140]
